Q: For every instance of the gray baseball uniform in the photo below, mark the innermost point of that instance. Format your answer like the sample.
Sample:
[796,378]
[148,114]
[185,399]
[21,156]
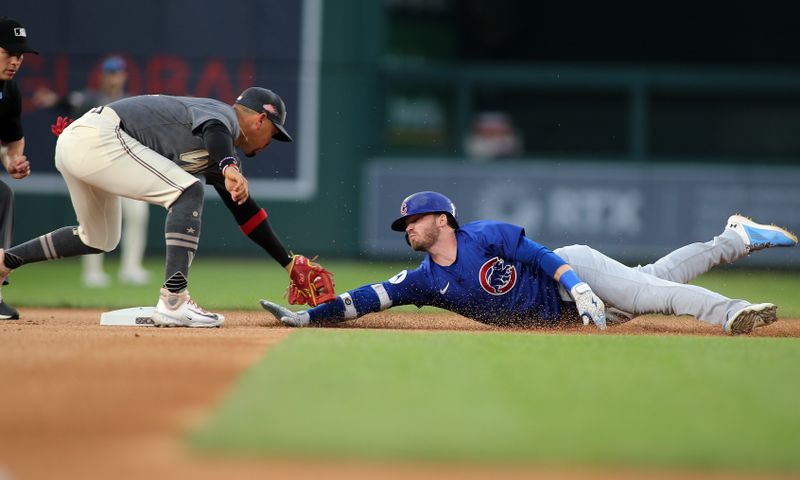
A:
[149,148]
[168,125]
[145,148]
[661,287]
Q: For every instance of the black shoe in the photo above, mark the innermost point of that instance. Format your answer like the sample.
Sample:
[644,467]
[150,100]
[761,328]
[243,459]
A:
[7,312]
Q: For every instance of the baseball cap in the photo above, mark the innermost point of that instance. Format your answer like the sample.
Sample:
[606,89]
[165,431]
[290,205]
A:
[13,36]
[113,63]
[262,100]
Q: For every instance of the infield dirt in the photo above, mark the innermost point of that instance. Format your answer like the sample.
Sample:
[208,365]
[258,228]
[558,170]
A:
[78,400]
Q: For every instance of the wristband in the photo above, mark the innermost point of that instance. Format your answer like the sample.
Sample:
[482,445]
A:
[569,279]
[227,162]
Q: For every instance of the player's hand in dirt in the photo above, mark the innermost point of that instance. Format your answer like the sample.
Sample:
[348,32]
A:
[286,316]
[590,307]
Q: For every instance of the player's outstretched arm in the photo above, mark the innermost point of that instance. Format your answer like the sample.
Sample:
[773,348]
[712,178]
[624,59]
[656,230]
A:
[252,221]
[354,303]
[346,306]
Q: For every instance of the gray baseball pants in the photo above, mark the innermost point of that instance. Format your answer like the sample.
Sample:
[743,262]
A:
[6,215]
[661,287]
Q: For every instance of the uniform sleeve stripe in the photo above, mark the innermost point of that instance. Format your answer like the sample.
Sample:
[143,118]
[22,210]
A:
[250,225]
[181,243]
[349,308]
[383,296]
[182,236]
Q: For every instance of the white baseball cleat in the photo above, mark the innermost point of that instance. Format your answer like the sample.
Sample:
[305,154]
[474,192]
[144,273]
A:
[286,316]
[753,316]
[179,310]
[757,236]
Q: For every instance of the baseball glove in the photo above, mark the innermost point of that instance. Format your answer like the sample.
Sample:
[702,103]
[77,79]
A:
[309,282]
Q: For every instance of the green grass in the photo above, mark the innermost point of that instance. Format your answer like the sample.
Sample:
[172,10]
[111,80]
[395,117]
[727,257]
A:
[239,283]
[713,403]
[498,397]
[757,286]
[214,283]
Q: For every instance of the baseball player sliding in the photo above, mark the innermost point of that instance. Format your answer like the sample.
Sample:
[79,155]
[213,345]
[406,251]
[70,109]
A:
[491,272]
[150,148]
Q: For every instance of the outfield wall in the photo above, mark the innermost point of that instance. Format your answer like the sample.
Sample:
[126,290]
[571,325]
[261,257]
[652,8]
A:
[633,212]
[377,101]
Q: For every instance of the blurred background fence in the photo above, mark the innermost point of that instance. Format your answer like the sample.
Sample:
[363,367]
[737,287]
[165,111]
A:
[633,127]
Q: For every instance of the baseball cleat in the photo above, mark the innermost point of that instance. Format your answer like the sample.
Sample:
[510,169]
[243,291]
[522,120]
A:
[753,316]
[179,310]
[286,316]
[615,316]
[7,312]
[757,236]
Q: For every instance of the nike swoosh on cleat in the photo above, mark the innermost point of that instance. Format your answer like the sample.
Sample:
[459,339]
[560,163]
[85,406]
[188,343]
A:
[444,290]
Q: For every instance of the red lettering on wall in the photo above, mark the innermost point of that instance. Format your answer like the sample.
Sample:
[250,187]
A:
[61,75]
[134,75]
[167,74]
[214,82]
[32,77]
[247,75]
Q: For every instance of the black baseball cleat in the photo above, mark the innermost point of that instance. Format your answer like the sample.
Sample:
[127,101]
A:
[7,312]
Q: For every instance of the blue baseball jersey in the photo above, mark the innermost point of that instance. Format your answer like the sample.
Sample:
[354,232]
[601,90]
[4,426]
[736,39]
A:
[488,282]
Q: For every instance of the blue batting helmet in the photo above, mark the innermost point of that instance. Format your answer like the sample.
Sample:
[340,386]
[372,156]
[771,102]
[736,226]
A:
[425,202]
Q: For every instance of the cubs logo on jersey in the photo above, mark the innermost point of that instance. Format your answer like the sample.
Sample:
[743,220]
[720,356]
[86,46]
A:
[497,277]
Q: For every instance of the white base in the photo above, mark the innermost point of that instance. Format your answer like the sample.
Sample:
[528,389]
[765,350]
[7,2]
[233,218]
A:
[129,317]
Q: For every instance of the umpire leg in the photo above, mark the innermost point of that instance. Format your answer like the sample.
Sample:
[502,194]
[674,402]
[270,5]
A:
[6,215]
[7,312]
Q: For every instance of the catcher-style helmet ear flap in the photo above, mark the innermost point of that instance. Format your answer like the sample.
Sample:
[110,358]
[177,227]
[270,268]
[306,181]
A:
[425,202]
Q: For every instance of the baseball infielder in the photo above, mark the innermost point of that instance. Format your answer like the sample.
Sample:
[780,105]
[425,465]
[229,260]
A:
[150,148]
[135,214]
[491,272]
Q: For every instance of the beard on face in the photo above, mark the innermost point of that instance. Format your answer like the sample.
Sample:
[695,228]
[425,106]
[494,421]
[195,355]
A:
[424,238]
